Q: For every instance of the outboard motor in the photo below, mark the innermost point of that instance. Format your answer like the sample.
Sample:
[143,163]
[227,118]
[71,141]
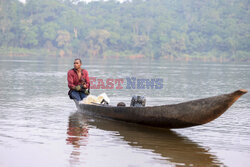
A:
[138,101]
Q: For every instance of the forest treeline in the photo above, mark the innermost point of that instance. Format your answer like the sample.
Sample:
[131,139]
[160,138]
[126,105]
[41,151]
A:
[175,29]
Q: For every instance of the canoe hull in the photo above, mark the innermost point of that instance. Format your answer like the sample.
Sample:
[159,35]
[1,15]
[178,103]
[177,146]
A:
[182,115]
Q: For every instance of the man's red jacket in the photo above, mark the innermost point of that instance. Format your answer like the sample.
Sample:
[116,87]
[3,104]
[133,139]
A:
[73,79]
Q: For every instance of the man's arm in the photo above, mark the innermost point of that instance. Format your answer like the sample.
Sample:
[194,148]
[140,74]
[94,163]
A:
[70,80]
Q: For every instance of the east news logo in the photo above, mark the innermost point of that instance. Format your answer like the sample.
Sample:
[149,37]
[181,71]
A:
[131,83]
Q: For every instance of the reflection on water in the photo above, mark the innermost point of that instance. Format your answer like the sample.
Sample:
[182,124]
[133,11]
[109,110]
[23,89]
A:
[77,137]
[175,148]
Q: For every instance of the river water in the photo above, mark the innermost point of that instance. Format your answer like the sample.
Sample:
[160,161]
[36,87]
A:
[40,126]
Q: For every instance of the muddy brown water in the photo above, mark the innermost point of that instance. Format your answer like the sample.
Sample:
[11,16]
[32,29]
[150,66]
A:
[39,124]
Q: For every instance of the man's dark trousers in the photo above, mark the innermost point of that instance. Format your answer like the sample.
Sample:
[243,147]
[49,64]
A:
[78,95]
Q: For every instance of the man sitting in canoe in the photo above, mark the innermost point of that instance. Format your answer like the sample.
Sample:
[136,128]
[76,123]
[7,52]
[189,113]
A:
[78,81]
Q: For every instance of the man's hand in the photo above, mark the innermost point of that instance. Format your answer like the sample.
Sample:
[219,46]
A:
[86,91]
[85,86]
[78,88]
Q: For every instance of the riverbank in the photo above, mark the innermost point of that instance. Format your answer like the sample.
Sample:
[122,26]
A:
[204,57]
[21,52]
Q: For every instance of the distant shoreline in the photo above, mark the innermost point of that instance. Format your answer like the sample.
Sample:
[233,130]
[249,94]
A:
[23,52]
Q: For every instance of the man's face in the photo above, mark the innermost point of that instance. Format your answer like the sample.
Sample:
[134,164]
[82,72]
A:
[77,64]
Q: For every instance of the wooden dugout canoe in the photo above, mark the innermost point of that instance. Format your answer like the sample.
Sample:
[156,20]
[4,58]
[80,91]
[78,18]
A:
[182,115]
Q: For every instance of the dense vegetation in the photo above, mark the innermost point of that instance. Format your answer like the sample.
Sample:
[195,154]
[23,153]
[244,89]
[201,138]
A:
[176,29]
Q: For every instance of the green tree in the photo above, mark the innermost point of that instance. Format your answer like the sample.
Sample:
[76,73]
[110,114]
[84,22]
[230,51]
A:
[28,34]
[63,38]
